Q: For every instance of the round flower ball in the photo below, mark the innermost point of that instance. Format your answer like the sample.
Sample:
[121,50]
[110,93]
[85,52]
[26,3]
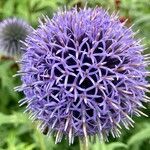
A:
[83,74]
[13,32]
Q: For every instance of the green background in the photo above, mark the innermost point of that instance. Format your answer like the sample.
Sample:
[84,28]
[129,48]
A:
[17,132]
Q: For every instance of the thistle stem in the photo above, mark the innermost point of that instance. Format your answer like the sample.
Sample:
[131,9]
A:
[83,144]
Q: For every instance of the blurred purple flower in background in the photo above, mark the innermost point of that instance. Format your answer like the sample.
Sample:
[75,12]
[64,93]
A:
[83,74]
[12,32]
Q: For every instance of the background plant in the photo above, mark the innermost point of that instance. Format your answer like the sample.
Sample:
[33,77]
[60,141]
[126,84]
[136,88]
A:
[16,131]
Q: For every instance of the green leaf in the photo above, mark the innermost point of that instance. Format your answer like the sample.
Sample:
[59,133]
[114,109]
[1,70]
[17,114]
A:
[139,137]
[15,118]
[9,5]
[114,145]
[142,19]
[99,145]
[30,147]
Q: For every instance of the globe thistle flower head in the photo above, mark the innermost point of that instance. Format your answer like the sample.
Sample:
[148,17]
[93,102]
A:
[83,74]
[12,32]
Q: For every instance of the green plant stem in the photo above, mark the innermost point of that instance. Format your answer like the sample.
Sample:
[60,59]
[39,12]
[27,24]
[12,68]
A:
[83,144]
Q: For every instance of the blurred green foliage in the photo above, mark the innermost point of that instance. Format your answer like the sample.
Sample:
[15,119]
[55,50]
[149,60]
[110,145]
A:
[19,133]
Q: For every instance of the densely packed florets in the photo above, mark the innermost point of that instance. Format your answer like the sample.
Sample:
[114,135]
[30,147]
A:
[83,74]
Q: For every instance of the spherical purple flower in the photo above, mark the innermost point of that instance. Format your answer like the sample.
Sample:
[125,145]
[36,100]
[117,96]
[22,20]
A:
[12,32]
[83,74]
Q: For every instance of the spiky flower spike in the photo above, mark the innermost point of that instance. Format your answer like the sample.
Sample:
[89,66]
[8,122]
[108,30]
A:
[12,32]
[83,74]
